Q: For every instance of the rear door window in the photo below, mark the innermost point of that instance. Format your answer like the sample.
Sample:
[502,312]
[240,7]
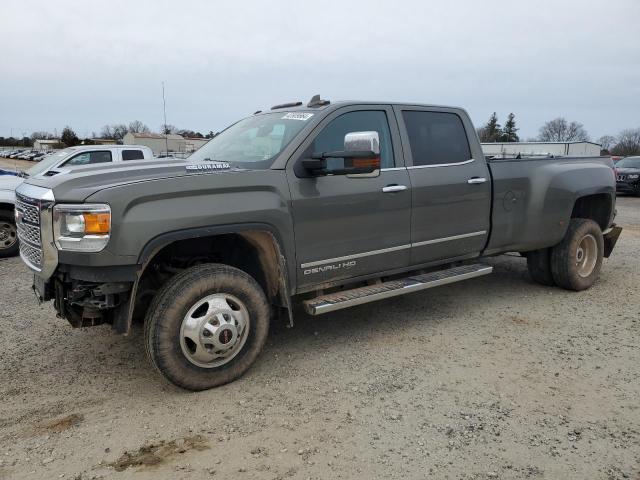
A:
[89,158]
[132,155]
[436,138]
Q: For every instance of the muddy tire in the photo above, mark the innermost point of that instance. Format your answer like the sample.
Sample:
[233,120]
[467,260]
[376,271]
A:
[539,265]
[8,235]
[206,326]
[577,259]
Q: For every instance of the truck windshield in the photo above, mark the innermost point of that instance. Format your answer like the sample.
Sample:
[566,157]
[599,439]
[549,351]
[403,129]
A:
[48,161]
[255,141]
[629,162]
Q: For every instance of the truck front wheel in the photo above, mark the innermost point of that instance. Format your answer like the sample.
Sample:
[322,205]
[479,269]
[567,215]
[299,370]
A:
[577,259]
[8,235]
[206,326]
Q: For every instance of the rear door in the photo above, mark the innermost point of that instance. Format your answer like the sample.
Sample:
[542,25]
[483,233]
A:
[348,226]
[451,190]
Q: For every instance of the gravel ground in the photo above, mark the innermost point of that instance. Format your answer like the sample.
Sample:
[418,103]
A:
[495,377]
[10,164]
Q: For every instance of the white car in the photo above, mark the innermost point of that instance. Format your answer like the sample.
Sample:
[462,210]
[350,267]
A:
[60,162]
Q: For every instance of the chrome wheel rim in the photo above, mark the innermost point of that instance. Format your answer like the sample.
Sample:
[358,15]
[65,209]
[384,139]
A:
[586,255]
[214,330]
[8,235]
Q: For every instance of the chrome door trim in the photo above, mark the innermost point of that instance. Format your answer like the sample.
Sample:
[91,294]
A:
[391,249]
[448,239]
[355,255]
[466,162]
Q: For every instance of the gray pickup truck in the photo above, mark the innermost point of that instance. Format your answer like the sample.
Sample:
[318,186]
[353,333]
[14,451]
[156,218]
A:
[328,204]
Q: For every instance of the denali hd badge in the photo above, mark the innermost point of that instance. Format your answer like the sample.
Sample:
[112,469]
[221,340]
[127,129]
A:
[207,167]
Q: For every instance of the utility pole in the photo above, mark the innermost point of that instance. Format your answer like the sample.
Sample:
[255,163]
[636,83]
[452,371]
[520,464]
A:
[164,109]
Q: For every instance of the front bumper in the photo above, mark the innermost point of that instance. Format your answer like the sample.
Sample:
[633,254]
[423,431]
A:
[628,187]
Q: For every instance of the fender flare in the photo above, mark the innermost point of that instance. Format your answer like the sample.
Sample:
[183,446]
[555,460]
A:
[156,244]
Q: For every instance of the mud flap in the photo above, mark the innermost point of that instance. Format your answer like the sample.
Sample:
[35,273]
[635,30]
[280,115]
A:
[610,239]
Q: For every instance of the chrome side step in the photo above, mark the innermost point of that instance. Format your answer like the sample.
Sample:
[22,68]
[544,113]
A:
[393,288]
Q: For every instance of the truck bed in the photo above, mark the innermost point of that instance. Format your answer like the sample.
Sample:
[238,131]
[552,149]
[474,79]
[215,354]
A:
[532,198]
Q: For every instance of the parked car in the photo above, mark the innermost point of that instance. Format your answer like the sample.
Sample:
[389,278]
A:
[628,175]
[26,155]
[16,153]
[61,161]
[345,203]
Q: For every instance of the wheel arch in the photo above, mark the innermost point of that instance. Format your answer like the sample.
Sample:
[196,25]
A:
[6,206]
[255,248]
[594,206]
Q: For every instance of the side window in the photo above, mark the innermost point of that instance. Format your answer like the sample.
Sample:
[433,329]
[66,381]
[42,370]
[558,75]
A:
[89,158]
[132,155]
[436,137]
[331,138]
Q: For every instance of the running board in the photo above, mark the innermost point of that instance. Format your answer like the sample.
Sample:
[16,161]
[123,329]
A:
[393,288]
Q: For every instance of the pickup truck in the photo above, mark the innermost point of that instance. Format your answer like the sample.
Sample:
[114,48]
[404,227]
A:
[328,204]
[61,161]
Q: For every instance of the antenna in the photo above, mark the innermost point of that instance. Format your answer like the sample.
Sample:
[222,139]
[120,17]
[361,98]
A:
[164,108]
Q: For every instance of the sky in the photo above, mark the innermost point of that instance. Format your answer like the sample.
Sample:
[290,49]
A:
[88,63]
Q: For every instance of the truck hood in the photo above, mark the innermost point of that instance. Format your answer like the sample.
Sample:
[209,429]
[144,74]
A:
[10,182]
[77,185]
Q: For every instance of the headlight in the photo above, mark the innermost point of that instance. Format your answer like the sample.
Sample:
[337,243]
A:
[81,228]
[634,176]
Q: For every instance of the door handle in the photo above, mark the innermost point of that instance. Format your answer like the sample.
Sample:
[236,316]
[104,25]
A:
[394,188]
[476,180]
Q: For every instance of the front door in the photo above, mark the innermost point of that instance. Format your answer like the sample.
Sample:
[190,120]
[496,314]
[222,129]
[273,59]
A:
[351,225]
[451,190]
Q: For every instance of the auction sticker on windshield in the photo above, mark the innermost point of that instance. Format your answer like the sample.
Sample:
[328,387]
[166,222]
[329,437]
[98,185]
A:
[298,116]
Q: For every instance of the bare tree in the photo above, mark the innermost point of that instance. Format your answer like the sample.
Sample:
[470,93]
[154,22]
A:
[117,131]
[628,143]
[606,142]
[167,129]
[106,132]
[560,130]
[41,136]
[138,127]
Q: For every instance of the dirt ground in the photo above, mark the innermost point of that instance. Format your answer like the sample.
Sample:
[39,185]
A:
[495,377]
[11,164]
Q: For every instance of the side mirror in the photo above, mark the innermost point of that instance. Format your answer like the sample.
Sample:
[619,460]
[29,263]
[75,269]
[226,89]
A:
[361,155]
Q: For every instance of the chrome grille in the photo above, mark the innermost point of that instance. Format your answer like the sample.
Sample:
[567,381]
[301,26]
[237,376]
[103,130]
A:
[28,223]
[30,213]
[29,233]
[31,255]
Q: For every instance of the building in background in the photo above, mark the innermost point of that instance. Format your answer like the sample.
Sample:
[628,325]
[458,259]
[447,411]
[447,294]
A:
[46,144]
[163,143]
[542,149]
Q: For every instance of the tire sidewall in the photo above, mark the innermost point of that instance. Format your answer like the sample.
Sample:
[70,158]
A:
[164,332]
[13,250]
[567,254]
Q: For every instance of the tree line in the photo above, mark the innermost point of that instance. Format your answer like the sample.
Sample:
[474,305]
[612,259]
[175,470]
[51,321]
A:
[626,143]
[115,131]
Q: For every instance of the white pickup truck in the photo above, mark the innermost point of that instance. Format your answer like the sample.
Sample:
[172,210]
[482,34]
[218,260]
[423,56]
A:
[57,163]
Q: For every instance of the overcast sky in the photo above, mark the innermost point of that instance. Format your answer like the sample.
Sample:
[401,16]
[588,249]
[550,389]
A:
[88,63]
